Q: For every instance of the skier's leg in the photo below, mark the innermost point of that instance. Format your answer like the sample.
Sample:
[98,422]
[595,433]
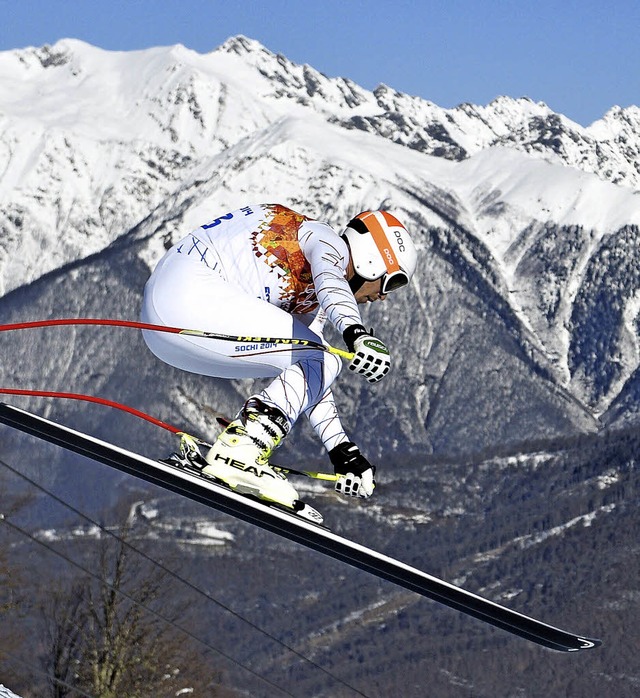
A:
[191,297]
[183,294]
[303,385]
[324,418]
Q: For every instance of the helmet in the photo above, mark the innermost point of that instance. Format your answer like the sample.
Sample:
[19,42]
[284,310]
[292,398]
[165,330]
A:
[380,249]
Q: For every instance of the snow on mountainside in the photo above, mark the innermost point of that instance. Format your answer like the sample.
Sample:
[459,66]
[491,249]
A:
[523,239]
[91,141]
[519,334]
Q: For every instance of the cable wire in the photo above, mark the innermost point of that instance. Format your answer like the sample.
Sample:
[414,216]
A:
[130,598]
[182,580]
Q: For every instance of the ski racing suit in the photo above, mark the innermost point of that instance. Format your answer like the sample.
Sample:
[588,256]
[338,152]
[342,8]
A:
[260,271]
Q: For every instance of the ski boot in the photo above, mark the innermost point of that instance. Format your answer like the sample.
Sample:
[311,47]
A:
[240,455]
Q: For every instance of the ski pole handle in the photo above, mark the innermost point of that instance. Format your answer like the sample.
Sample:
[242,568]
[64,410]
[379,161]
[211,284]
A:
[342,353]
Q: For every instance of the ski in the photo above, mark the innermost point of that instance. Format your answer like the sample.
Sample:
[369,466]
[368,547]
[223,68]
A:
[295,528]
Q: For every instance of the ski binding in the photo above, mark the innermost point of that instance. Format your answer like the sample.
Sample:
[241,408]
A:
[190,459]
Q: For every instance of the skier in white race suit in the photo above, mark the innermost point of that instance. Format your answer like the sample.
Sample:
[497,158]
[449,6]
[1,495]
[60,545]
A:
[267,271]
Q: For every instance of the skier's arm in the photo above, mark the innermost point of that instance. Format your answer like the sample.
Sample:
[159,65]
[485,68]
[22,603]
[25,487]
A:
[328,256]
[356,474]
[324,418]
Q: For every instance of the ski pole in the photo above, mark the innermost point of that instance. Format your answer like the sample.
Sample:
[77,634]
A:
[153,420]
[329,477]
[295,344]
[93,399]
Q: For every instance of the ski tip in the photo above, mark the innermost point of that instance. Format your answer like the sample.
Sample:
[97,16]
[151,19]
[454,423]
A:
[585,643]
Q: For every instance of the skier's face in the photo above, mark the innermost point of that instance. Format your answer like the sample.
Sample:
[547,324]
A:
[370,292]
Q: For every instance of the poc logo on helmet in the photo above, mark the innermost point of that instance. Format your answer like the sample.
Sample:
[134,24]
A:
[400,241]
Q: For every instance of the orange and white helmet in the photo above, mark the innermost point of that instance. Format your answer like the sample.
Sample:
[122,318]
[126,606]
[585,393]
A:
[380,249]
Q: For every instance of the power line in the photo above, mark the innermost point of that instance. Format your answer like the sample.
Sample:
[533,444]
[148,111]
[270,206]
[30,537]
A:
[182,580]
[130,598]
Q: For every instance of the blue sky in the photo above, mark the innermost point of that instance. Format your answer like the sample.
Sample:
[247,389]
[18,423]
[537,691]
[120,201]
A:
[581,58]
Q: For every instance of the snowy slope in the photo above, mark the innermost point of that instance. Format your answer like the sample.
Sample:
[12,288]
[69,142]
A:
[522,324]
[509,203]
[90,140]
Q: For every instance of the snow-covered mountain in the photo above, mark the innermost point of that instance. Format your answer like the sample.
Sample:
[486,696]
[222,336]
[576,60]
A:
[525,305]
[519,334]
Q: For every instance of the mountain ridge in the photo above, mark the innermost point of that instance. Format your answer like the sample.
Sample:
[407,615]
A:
[519,232]
[505,433]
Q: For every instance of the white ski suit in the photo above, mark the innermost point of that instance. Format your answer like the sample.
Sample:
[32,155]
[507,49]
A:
[259,271]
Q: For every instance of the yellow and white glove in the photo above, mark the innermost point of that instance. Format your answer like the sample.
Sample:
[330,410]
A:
[371,355]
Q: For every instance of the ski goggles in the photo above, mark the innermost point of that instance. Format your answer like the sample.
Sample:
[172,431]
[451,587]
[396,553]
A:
[393,281]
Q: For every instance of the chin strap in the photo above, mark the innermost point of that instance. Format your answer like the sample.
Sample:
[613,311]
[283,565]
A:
[356,282]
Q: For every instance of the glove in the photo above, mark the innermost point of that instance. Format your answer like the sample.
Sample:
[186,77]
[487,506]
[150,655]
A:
[355,471]
[371,355]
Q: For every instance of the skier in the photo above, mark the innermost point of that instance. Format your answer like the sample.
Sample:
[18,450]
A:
[268,271]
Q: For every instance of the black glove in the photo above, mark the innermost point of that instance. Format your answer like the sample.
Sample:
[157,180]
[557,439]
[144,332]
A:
[371,355]
[355,471]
